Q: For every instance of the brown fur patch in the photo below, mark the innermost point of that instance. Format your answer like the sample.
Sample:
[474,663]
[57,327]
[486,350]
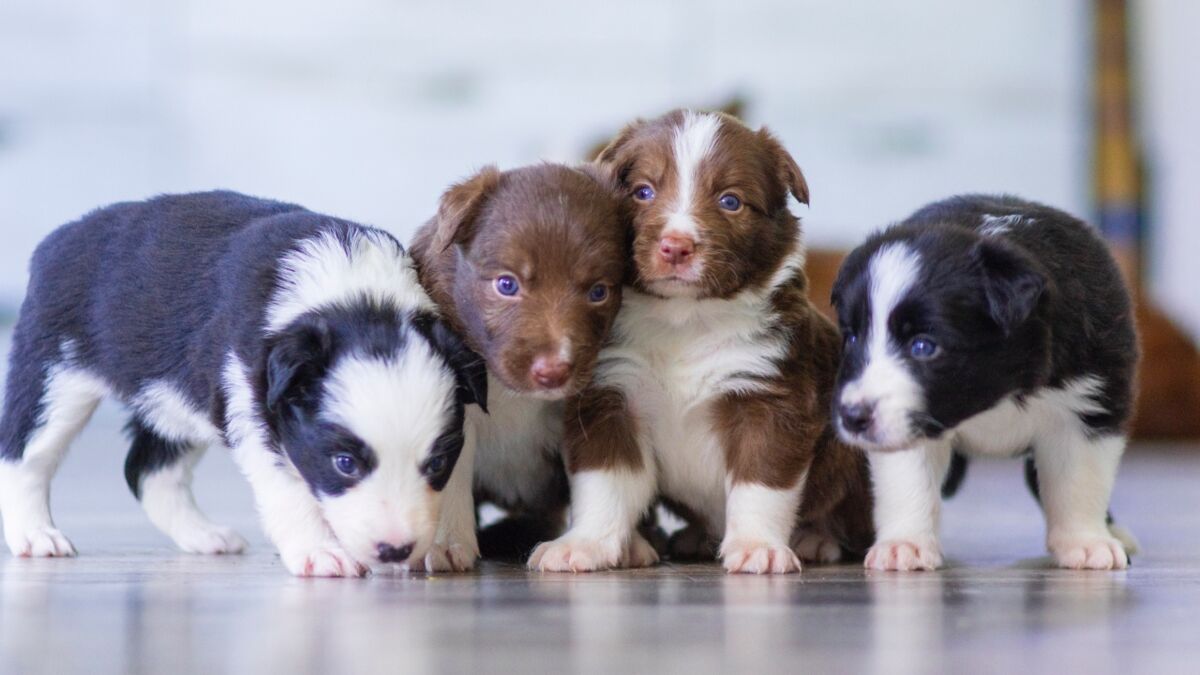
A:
[600,432]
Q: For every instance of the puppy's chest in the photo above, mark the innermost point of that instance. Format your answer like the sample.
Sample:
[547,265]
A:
[518,452]
[1013,425]
[672,375]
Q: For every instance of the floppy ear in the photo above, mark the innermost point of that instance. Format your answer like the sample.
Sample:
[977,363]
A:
[613,159]
[1011,283]
[470,370]
[296,360]
[460,206]
[786,168]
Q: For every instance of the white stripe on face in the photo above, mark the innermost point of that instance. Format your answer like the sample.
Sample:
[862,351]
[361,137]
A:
[885,382]
[694,140]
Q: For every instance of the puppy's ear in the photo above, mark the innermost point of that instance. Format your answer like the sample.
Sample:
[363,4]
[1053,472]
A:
[461,205]
[614,160]
[296,360]
[786,168]
[470,370]
[1011,282]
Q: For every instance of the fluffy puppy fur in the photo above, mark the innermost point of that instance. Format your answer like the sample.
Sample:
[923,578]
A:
[527,264]
[713,391]
[987,325]
[302,342]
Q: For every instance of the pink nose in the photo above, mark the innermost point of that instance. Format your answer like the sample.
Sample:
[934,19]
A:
[550,372]
[675,250]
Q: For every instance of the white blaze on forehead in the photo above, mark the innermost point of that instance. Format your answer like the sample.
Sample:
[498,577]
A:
[694,140]
[321,271]
[396,404]
[885,382]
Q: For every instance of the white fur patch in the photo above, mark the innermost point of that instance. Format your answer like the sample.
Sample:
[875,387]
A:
[885,383]
[166,410]
[166,496]
[994,226]
[763,514]
[70,398]
[693,141]
[322,272]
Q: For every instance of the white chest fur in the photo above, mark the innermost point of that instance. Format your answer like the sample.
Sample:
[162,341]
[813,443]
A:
[1010,427]
[672,358]
[519,444]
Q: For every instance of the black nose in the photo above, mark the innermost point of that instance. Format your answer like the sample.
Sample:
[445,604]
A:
[389,553]
[856,418]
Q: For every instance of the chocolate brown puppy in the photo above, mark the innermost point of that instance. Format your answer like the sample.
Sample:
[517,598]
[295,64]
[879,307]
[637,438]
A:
[527,266]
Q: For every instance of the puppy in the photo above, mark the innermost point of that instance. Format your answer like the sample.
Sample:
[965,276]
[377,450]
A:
[302,342]
[987,325]
[713,390]
[527,264]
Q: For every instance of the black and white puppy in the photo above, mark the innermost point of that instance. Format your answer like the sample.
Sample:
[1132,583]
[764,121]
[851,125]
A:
[302,342]
[987,325]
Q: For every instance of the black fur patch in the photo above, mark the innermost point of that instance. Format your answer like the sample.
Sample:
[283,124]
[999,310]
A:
[148,452]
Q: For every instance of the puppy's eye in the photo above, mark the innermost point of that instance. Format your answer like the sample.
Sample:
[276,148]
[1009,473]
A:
[730,202]
[434,465]
[598,293]
[923,348]
[506,285]
[851,339]
[346,464]
[643,193]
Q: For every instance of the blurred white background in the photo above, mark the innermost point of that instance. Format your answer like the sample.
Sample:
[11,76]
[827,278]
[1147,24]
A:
[369,108]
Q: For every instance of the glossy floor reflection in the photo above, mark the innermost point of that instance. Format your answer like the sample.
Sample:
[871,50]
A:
[130,603]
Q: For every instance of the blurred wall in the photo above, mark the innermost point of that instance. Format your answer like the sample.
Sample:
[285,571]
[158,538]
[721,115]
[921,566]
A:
[368,108]
[1165,36]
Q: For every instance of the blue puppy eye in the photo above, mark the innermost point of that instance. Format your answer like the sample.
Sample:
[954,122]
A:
[643,193]
[346,464]
[922,348]
[598,293]
[506,284]
[851,339]
[435,465]
[730,202]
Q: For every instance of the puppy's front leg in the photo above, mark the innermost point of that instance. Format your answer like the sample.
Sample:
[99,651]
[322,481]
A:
[612,485]
[1075,479]
[759,523]
[455,547]
[908,505]
[292,517]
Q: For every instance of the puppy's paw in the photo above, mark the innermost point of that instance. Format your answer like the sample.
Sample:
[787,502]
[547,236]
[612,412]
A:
[329,560]
[692,543]
[210,540]
[639,553]
[815,546]
[1083,552]
[450,558]
[758,557]
[39,541]
[574,554]
[903,555]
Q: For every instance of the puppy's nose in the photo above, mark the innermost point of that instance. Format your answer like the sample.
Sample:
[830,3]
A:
[856,418]
[675,250]
[389,553]
[550,372]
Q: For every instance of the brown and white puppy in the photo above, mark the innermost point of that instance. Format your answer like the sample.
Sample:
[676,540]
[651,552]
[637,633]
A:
[714,393]
[527,266]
